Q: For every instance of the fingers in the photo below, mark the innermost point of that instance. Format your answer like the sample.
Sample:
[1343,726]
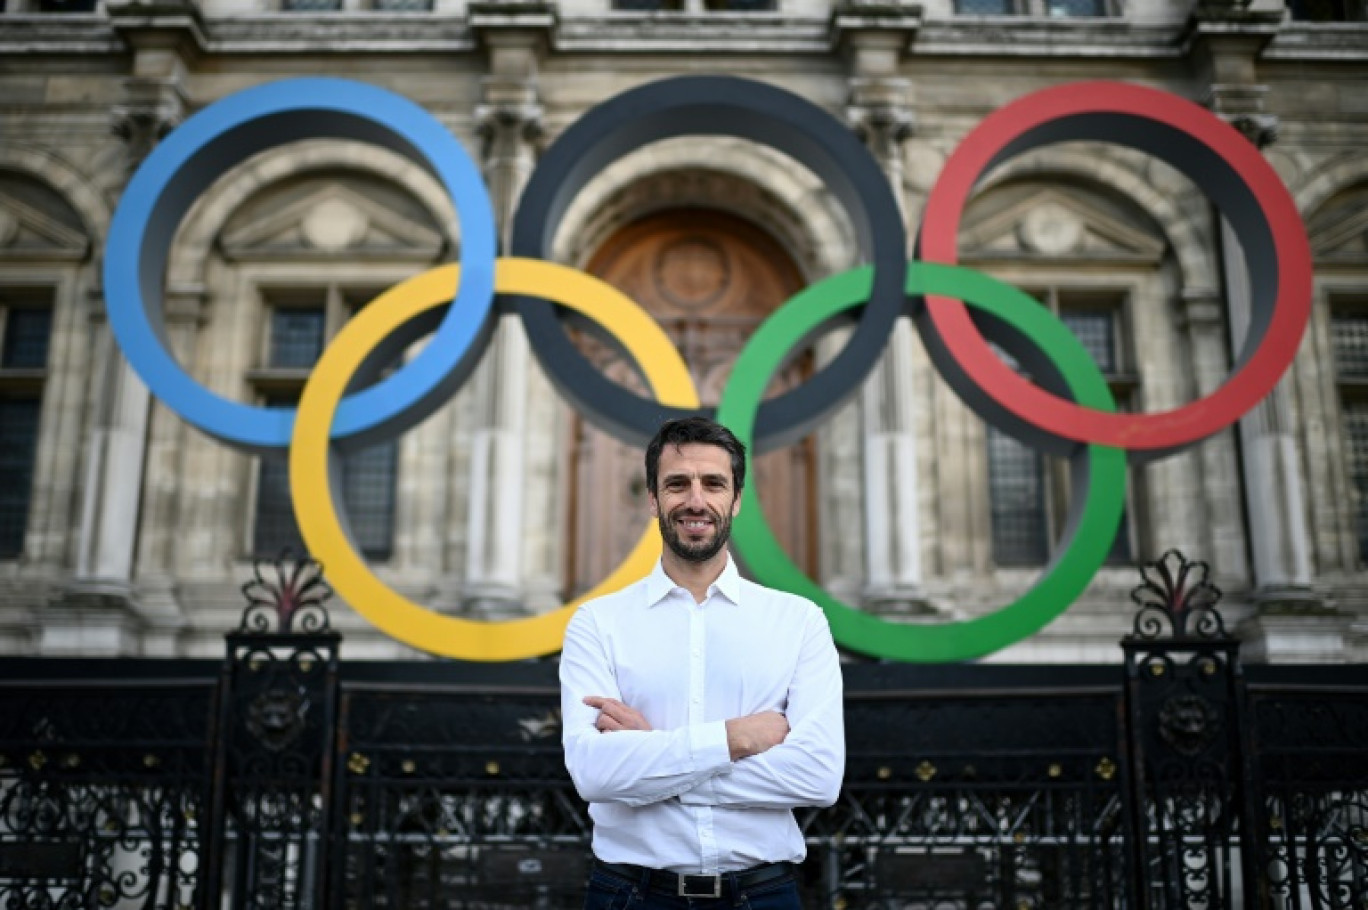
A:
[614,715]
[606,724]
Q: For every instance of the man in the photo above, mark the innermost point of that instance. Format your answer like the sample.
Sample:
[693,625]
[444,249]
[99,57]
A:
[699,708]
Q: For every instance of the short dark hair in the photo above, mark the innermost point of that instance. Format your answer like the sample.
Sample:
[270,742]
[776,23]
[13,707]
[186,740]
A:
[685,430]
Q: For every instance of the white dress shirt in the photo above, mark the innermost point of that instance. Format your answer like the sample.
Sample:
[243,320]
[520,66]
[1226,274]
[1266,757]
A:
[671,798]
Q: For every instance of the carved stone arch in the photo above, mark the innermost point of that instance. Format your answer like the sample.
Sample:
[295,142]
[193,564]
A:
[709,244]
[1338,228]
[750,181]
[1327,181]
[68,183]
[212,212]
[1193,251]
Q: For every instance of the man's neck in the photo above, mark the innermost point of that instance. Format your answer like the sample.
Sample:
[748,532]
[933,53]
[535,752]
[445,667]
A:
[694,577]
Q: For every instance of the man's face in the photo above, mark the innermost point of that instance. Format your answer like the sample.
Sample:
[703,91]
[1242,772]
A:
[694,500]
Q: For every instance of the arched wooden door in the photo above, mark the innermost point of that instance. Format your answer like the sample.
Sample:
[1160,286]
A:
[709,278]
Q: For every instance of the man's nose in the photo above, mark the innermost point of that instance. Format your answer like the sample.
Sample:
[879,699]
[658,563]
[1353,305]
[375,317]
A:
[696,499]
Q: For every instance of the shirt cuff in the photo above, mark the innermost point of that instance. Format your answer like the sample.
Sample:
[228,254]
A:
[708,746]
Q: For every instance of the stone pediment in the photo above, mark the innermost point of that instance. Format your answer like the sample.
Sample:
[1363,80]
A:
[1342,238]
[330,222]
[27,232]
[1057,225]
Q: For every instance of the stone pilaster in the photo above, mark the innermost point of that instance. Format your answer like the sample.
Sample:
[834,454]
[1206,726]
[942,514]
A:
[165,37]
[101,612]
[497,577]
[158,595]
[873,39]
[1208,509]
[1290,622]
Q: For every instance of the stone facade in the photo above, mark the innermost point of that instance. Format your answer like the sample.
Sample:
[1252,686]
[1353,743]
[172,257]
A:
[139,529]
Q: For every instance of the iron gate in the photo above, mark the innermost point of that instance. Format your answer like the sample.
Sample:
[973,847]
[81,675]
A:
[283,777]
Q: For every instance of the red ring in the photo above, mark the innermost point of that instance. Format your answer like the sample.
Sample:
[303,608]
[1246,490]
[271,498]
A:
[1163,430]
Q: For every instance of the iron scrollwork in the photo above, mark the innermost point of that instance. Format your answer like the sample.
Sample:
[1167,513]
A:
[292,599]
[1176,597]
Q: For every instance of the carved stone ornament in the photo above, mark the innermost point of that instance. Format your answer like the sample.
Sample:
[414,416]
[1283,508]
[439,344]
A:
[333,225]
[1051,229]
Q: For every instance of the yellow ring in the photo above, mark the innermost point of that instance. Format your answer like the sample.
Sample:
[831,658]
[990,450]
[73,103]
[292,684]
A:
[312,494]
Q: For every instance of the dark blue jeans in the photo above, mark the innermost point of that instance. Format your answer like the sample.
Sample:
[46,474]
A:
[608,891]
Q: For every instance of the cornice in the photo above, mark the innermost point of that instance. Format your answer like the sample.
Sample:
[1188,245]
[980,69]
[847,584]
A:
[722,33]
[46,34]
[1332,42]
[714,32]
[1032,36]
[338,33]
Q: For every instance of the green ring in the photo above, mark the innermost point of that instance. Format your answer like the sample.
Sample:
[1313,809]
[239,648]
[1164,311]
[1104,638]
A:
[1093,525]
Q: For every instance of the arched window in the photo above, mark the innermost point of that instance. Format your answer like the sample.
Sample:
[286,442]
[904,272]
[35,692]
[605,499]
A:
[42,243]
[1092,260]
[307,254]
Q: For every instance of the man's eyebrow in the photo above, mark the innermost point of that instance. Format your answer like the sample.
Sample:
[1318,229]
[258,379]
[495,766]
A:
[684,475]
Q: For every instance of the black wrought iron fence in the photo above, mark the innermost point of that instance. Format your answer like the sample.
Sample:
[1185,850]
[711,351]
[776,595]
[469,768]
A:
[283,777]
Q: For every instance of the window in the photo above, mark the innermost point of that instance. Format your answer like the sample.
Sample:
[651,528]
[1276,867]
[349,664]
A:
[297,326]
[25,328]
[1054,9]
[1328,10]
[1016,490]
[47,6]
[332,6]
[1028,497]
[694,6]
[1349,341]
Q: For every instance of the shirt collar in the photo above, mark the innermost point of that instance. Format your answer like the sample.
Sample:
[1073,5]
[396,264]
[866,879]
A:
[728,584]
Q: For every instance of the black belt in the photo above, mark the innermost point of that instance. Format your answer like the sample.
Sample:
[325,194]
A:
[698,885]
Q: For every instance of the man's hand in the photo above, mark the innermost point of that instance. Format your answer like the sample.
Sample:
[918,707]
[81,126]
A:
[755,733]
[614,715]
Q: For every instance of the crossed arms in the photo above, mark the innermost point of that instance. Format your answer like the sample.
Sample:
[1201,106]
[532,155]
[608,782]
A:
[762,760]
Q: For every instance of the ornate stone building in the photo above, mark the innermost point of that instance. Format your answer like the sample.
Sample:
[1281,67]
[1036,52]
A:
[125,531]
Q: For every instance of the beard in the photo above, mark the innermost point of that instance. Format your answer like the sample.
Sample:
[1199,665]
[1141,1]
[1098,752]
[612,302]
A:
[703,550]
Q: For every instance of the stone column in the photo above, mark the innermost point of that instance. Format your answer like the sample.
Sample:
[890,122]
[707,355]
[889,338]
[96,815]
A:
[509,123]
[1202,509]
[1226,42]
[101,612]
[874,40]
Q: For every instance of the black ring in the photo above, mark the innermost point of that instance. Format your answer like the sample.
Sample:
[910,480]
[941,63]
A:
[726,106]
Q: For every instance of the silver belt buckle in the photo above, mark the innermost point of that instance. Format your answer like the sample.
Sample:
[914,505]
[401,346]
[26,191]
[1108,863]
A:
[686,883]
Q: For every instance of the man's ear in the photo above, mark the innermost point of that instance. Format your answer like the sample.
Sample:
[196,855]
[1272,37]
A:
[655,505]
[736,504]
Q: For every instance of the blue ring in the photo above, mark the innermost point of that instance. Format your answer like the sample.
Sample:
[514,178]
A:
[185,164]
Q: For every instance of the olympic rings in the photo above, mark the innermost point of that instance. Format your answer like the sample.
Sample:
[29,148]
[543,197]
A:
[314,500]
[1220,161]
[714,105]
[1099,470]
[230,131]
[1066,405]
